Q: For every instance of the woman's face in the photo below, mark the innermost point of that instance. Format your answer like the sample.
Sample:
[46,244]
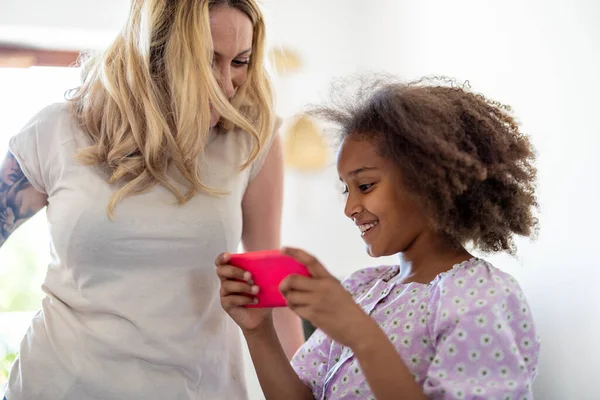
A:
[231,32]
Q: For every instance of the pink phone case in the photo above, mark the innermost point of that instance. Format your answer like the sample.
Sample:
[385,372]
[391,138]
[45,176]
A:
[268,269]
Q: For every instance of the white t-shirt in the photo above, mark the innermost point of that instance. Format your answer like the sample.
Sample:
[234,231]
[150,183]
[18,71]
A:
[132,308]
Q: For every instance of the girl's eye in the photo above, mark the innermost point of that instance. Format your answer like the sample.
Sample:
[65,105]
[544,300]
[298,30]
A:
[345,189]
[365,187]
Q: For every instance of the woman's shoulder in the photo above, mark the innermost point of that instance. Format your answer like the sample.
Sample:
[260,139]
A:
[52,122]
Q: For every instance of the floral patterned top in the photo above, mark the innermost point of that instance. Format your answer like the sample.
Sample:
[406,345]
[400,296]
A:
[468,334]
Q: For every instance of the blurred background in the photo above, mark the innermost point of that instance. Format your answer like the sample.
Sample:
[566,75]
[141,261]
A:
[541,57]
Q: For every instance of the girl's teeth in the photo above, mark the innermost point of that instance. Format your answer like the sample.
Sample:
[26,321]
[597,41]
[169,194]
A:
[365,228]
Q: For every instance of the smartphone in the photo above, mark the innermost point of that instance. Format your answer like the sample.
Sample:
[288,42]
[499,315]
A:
[268,269]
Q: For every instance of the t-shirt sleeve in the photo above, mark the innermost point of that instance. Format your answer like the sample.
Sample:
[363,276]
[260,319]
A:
[35,150]
[311,362]
[258,163]
[485,342]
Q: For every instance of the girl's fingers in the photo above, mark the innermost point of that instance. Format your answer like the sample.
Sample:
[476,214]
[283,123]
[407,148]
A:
[225,271]
[239,300]
[229,287]
[296,299]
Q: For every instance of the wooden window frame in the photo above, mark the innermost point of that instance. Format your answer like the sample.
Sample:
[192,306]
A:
[24,57]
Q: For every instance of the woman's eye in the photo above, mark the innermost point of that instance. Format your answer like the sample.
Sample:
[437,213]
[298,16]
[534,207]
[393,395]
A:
[241,63]
[365,187]
[345,189]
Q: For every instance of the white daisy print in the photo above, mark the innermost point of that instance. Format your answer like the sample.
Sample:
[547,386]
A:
[457,301]
[415,360]
[463,310]
[445,314]
[486,339]
[460,334]
[504,371]
[474,355]
[423,321]
[472,292]
[497,279]
[442,374]
[452,350]
[396,322]
[483,373]
[499,326]
[481,281]
[406,341]
[524,310]
[481,321]
[478,390]
[444,291]
[525,326]
[393,337]
[410,314]
[437,361]
[526,343]
[424,341]
[509,316]
[400,307]
[408,327]
[481,303]
[511,384]
[460,282]
[460,369]
[492,384]
[492,292]
[422,307]
[459,394]
[498,355]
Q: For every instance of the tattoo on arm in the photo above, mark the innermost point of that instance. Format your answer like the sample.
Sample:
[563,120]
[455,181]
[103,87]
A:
[15,207]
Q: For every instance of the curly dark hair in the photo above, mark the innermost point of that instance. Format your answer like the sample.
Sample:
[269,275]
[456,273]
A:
[462,155]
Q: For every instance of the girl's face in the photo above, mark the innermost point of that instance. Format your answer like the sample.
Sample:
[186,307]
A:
[388,217]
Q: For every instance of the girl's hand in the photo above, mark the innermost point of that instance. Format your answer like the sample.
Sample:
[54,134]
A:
[236,292]
[323,301]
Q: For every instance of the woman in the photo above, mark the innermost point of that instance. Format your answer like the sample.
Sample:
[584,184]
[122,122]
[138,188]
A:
[162,158]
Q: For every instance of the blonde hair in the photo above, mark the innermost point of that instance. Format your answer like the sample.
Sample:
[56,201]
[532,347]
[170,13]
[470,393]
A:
[144,102]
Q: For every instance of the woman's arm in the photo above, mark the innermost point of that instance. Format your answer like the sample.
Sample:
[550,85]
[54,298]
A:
[261,208]
[19,201]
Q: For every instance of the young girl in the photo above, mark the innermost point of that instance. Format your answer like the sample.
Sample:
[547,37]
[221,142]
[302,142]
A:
[428,169]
